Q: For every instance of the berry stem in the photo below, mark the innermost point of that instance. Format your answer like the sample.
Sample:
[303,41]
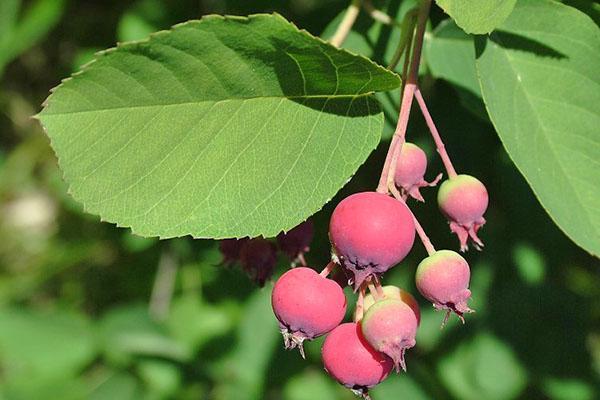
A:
[302,259]
[439,144]
[360,303]
[407,97]
[378,287]
[345,26]
[420,231]
[327,270]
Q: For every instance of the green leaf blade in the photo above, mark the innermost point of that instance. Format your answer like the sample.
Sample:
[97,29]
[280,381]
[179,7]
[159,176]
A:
[540,81]
[223,127]
[479,17]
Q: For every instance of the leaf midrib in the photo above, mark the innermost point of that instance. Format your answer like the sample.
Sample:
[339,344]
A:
[46,113]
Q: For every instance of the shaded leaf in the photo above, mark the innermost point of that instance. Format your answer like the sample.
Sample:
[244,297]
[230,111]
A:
[451,56]
[484,368]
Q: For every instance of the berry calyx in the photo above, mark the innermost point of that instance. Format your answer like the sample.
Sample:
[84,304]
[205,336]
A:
[296,242]
[230,250]
[352,361]
[394,292]
[390,326]
[463,199]
[370,232]
[258,258]
[410,171]
[443,279]
[307,305]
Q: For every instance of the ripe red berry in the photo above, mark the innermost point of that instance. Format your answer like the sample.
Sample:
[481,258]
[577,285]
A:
[370,233]
[307,305]
[463,199]
[410,171]
[296,242]
[258,258]
[443,279]
[352,361]
[390,326]
[230,249]
[394,292]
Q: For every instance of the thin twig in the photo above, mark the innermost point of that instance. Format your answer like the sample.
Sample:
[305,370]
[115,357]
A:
[420,231]
[360,303]
[164,284]
[327,270]
[345,26]
[439,144]
[405,44]
[378,15]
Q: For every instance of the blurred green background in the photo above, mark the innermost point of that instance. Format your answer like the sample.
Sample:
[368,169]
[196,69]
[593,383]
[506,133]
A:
[89,311]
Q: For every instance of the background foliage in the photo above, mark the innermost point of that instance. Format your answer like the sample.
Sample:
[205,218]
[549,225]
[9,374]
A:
[82,315]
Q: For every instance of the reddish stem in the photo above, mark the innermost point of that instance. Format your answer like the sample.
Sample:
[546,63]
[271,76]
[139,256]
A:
[439,144]
[302,259]
[378,287]
[327,270]
[360,303]
[407,97]
[420,231]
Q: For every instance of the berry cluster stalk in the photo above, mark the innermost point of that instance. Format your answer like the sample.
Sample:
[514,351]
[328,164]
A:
[439,144]
[407,97]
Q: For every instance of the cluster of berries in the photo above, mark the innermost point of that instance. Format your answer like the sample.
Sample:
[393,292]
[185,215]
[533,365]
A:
[371,232]
[258,256]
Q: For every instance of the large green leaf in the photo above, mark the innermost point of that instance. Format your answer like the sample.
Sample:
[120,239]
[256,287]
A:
[44,345]
[222,127]
[540,79]
[481,16]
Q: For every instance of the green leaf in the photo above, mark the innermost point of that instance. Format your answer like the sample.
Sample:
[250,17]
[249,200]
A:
[540,79]
[484,368]
[128,331]
[482,16]
[36,21]
[194,323]
[244,370]
[312,384]
[405,384]
[223,127]
[117,385]
[450,55]
[44,345]
[9,12]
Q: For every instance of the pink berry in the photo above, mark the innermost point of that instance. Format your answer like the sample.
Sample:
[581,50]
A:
[443,279]
[463,199]
[352,361]
[296,242]
[394,292]
[410,171]
[258,258]
[390,326]
[230,249]
[370,232]
[307,305]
